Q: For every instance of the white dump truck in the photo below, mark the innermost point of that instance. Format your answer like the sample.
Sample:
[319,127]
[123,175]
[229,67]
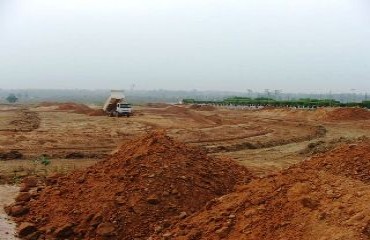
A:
[116,105]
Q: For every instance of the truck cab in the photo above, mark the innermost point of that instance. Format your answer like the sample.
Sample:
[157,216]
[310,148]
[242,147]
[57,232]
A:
[124,109]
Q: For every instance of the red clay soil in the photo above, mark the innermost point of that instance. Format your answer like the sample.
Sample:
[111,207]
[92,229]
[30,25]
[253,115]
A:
[298,203]
[149,183]
[75,108]
[346,114]
[202,107]
[184,112]
[294,205]
[321,114]
[96,112]
[350,160]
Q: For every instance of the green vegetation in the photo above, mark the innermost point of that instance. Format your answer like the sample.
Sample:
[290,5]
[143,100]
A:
[263,101]
[12,98]
[366,104]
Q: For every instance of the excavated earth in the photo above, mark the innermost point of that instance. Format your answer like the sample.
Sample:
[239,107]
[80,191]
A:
[326,197]
[74,108]
[148,184]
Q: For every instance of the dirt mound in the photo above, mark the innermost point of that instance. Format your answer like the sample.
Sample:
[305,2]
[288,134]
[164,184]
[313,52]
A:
[74,108]
[350,160]
[345,114]
[48,104]
[146,185]
[26,121]
[96,112]
[323,146]
[293,205]
[202,107]
[299,203]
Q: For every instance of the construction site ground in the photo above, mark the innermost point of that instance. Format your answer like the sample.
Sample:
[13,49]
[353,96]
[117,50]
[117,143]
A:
[73,136]
[263,140]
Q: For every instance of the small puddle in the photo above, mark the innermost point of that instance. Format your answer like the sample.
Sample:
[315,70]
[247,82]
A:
[7,226]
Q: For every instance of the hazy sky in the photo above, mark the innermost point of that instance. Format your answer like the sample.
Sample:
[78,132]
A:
[305,46]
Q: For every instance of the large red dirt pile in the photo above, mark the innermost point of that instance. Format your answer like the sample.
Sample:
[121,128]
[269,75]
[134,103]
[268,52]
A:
[298,203]
[149,183]
[294,205]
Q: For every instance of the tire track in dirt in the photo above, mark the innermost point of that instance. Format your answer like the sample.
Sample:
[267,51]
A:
[319,131]
[249,135]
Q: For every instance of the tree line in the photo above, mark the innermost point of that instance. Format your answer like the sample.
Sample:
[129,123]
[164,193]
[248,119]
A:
[264,101]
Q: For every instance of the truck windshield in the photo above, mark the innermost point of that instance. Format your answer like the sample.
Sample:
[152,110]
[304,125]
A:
[125,106]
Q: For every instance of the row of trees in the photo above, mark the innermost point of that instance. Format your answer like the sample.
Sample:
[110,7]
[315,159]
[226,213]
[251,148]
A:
[263,101]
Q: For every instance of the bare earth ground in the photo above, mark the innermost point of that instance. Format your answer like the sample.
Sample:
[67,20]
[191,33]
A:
[265,141]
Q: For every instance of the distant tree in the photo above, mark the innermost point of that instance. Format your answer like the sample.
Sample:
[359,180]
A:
[12,98]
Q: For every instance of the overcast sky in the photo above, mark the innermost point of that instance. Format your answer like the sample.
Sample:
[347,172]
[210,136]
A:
[296,46]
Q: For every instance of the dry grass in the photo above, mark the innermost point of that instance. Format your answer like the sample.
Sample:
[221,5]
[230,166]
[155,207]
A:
[12,171]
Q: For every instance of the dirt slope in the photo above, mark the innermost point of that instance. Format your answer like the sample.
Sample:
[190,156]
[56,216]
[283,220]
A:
[147,184]
[350,160]
[343,114]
